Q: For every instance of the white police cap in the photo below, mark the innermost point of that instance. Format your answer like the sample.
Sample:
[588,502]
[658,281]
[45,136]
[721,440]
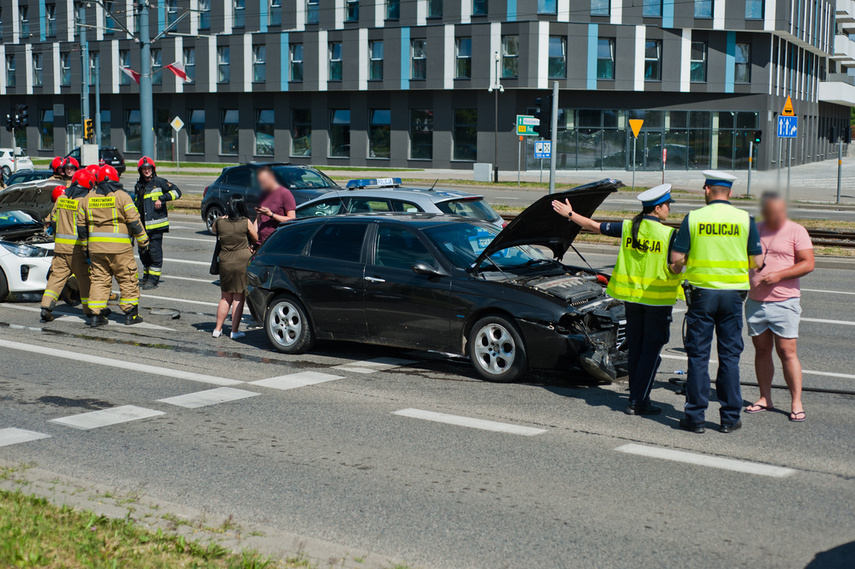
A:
[655,196]
[719,178]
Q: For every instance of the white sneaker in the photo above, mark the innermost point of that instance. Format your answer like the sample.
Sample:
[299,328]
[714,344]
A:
[237,335]
[217,333]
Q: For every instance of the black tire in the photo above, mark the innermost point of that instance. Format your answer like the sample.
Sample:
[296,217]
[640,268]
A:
[287,325]
[212,214]
[4,286]
[496,350]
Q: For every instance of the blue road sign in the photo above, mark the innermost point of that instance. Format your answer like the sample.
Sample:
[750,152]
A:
[788,127]
[543,149]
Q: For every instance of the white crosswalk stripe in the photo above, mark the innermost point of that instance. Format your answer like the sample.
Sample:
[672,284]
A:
[13,436]
[295,380]
[471,422]
[106,417]
[373,365]
[209,397]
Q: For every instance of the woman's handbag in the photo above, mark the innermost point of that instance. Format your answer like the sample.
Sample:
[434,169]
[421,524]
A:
[215,260]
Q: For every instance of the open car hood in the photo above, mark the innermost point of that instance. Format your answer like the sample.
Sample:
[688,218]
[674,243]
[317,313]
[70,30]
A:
[30,197]
[538,224]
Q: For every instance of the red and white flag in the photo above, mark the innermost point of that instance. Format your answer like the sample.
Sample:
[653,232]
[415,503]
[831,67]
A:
[178,70]
[131,73]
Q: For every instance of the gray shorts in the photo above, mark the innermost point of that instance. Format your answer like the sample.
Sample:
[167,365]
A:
[781,317]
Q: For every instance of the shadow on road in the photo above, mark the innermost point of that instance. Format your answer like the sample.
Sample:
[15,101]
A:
[840,557]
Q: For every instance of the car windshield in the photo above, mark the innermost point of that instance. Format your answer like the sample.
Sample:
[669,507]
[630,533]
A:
[10,219]
[462,243]
[473,208]
[302,178]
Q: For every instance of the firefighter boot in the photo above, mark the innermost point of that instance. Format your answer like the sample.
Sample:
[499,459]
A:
[46,315]
[132,316]
[98,320]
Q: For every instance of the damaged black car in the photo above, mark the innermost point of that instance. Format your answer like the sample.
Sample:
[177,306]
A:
[447,284]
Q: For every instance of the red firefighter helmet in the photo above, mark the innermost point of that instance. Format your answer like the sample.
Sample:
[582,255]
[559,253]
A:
[146,161]
[57,191]
[71,162]
[56,164]
[107,172]
[93,169]
[84,179]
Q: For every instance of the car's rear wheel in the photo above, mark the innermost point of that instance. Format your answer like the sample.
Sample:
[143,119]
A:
[212,214]
[496,350]
[4,286]
[287,325]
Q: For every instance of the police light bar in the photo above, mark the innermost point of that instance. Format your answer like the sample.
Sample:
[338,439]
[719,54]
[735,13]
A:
[374,182]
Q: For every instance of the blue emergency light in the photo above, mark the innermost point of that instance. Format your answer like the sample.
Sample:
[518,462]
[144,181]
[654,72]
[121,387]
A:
[374,183]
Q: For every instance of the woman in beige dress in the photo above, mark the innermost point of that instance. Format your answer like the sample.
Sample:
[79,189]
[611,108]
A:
[235,233]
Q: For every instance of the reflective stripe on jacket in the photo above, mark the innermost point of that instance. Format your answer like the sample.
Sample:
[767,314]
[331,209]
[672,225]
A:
[147,193]
[641,274]
[718,255]
[69,222]
[112,218]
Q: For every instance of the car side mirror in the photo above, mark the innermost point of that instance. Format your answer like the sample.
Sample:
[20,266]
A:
[422,268]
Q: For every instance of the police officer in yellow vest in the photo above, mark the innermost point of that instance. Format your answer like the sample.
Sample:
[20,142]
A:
[717,244]
[644,280]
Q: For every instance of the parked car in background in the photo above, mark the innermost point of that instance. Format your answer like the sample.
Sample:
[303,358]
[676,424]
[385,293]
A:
[107,155]
[444,283]
[28,176]
[8,158]
[379,195]
[305,182]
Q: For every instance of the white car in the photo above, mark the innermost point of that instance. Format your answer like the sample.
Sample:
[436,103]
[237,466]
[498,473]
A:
[8,157]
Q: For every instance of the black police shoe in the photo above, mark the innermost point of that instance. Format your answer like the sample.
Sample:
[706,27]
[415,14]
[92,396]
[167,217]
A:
[99,320]
[132,316]
[730,427]
[46,315]
[691,426]
[644,408]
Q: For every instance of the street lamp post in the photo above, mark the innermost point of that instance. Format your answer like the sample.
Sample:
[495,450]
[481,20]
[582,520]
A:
[146,112]
[495,88]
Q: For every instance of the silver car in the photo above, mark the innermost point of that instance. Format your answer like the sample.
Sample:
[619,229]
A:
[385,195]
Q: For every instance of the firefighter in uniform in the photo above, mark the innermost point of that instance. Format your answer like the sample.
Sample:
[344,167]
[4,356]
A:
[717,244]
[112,218]
[58,172]
[644,279]
[68,225]
[152,194]
[69,167]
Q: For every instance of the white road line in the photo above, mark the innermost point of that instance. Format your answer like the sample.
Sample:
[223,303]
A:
[201,302]
[704,460]
[470,422]
[186,227]
[376,364]
[173,277]
[210,240]
[823,321]
[65,317]
[121,364]
[106,417]
[296,380]
[209,397]
[13,436]
[827,291]
[207,263]
[804,371]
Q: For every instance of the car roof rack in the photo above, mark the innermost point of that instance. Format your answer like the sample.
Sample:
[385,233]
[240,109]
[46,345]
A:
[374,183]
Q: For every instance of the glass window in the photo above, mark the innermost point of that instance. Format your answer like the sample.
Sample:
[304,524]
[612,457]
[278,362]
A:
[301,132]
[605,58]
[434,9]
[11,76]
[190,64]
[229,132]
[274,13]
[313,9]
[557,68]
[653,60]
[23,16]
[291,240]
[105,128]
[510,56]
[600,7]
[335,61]
[464,58]
[172,12]
[399,248]
[351,11]
[124,63]
[259,63]
[742,71]
[65,70]
[264,132]
[109,24]
[465,134]
[1,23]
[547,6]
[156,67]
[46,130]
[379,137]
[339,241]
[239,9]
[703,8]
[393,9]
[753,9]
[296,56]
[196,132]
[479,7]
[133,136]
[473,208]
[204,14]
[50,24]
[418,51]
[652,9]
[698,62]
[375,61]
[38,71]
[321,209]
[340,133]
[223,73]
[421,134]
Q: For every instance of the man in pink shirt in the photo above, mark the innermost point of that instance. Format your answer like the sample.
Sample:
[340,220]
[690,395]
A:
[772,310]
[276,204]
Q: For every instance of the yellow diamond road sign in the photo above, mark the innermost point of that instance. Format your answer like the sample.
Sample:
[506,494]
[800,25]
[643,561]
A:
[177,124]
[635,125]
[788,108]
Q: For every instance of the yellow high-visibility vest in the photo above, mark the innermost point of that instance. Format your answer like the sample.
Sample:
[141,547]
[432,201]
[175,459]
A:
[641,274]
[718,255]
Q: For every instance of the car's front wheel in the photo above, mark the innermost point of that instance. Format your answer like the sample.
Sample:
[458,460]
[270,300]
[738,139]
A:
[212,214]
[287,325]
[496,350]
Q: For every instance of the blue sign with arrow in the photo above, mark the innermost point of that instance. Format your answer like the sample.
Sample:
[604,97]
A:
[788,127]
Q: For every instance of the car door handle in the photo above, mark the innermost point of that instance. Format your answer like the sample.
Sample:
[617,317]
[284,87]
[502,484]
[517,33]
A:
[375,280]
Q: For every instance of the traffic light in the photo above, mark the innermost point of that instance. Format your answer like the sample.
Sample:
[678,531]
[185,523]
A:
[831,135]
[847,135]
[22,117]
[544,113]
[9,122]
[758,136]
[88,129]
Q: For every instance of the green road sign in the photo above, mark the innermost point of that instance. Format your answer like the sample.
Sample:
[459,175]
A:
[526,124]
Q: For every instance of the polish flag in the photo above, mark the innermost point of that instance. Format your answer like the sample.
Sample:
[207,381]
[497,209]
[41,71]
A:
[132,74]
[178,70]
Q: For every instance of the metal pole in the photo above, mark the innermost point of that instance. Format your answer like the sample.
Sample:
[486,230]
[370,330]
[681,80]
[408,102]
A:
[14,146]
[780,160]
[146,104]
[789,164]
[84,56]
[554,144]
[634,140]
[519,160]
[98,104]
[750,155]
[664,160]
[541,170]
[839,167]
[177,151]
[496,134]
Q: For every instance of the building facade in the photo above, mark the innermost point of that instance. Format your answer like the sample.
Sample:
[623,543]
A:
[404,83]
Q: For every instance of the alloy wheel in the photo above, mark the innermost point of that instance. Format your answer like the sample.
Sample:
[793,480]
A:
[495,348]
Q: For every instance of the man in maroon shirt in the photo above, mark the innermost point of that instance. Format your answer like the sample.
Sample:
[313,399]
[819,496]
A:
[275,206]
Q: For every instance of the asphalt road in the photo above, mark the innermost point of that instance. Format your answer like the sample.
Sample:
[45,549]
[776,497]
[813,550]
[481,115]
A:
[353,460]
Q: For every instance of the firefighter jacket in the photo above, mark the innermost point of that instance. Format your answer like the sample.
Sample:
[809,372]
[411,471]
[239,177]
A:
[147,193]
[68,222]
[111,219]
[62,179]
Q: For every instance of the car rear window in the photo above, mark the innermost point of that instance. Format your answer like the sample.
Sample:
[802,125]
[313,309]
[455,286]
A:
[290,240]
[339,241]
[473,208]
[302,178]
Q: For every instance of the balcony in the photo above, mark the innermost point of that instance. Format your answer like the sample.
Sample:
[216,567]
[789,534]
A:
[838,88]
[845,11]
[844,51]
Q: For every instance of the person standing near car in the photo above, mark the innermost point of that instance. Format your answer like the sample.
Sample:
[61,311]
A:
[275,206]
[717,245]
[152,194]
[643,279]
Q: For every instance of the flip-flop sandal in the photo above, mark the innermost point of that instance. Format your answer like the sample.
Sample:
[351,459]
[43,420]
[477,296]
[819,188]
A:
[794,417]
[760,408]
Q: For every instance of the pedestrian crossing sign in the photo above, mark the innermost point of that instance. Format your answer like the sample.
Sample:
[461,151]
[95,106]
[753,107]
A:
[788,108]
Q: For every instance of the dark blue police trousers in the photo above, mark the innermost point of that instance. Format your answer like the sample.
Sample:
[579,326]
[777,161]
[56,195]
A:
[648,329]
[720,311]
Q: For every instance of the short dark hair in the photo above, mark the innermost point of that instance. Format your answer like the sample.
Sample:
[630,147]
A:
[261,169]
[770,196]
[719,189]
